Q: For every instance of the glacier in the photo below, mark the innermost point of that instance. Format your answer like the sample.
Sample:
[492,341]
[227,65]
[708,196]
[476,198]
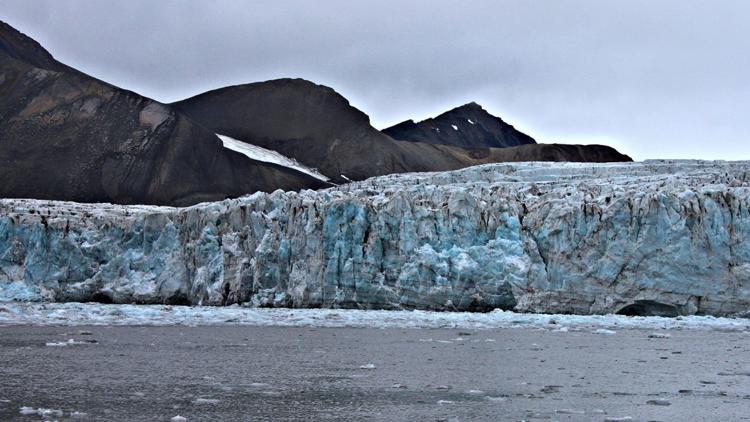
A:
[653,238]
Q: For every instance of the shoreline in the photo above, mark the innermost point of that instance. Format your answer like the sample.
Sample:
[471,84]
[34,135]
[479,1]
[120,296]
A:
[78,314]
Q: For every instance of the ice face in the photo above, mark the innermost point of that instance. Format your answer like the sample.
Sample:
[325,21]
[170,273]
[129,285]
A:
[651,238]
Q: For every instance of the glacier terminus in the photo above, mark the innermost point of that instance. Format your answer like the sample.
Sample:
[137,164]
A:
[661,238]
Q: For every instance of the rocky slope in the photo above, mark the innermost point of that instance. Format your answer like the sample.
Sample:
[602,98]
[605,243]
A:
[655,238]
[467,126]
[66,135]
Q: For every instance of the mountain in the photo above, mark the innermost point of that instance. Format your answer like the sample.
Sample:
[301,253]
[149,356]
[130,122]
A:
[68,136]
[318,127]
[467,126]
[314,125]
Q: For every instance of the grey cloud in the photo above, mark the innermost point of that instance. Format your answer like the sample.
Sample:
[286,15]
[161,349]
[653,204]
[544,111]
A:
[663,79]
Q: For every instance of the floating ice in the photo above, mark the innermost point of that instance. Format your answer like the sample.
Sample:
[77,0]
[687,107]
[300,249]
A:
[26,410]
[70,342]
[206,401]
[258,384]
[659,335]
[77,314]
[570,412]
[659,402]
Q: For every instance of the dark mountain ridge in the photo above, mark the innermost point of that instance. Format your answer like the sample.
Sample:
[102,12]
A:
[467,126]
[68,136]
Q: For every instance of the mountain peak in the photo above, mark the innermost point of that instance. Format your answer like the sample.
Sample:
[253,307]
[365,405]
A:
[470,109]
[466,126]
[470,106]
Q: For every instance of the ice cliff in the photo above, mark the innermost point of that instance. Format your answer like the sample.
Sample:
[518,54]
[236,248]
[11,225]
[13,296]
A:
[652,238]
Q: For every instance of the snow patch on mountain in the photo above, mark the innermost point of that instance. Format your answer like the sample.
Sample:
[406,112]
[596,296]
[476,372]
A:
[268,156]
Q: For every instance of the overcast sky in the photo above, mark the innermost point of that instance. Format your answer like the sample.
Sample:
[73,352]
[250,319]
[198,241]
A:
[655,79]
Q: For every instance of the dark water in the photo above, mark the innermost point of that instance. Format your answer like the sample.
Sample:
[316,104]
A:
[260,373]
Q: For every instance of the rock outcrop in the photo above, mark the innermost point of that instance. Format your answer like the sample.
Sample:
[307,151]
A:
[652,238]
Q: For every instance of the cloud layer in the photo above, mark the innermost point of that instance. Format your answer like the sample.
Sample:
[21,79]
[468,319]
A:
[661,79]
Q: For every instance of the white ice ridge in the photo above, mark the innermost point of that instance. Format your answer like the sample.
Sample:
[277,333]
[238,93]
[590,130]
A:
[650,238]
[268,156]
[75,314]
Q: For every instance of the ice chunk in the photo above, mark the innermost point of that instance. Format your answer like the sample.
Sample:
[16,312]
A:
[70,342]
[205,401]
[659,335]
[26,410]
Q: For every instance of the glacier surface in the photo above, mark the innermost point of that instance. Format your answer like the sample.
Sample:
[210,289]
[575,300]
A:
[651,238]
